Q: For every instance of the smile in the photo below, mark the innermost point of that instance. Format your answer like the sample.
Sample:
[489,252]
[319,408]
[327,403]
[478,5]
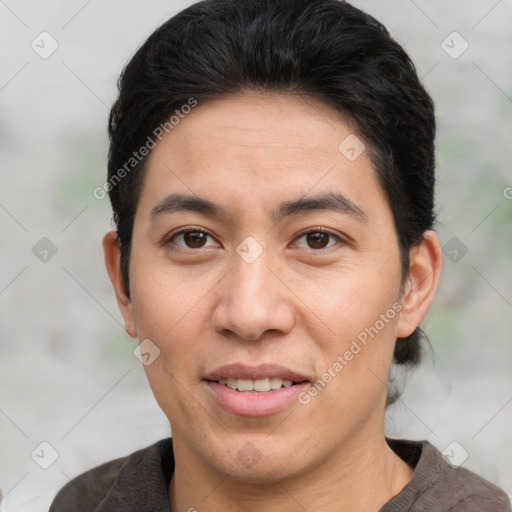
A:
[262,390]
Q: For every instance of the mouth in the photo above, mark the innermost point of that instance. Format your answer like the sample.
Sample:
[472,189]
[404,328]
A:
[255,390]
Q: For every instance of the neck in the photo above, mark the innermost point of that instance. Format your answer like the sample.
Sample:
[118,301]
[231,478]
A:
[339,483]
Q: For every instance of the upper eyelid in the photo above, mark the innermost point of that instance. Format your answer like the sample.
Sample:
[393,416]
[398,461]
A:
[318,229]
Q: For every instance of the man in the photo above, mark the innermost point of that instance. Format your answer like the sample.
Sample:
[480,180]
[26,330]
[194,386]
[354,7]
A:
[271,173]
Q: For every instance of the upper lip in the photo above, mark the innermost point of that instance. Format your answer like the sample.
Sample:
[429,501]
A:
[244,371]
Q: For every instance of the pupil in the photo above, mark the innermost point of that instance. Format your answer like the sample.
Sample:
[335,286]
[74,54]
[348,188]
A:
[314,239]
[193,238]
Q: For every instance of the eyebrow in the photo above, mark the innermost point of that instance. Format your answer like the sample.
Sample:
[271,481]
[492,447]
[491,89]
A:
[324,201]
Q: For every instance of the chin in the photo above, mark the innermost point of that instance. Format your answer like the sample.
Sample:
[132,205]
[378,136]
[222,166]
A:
[265,472]
[258,460]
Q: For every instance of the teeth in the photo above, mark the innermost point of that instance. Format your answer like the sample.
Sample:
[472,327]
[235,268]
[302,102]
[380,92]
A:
[261,385]
[244,385]
[275,382]
[256,385]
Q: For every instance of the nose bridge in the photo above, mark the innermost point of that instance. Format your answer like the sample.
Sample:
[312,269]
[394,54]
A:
[252,301]
[252,278]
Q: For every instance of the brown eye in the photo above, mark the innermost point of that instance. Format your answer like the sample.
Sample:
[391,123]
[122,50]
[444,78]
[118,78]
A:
[319,239]
[192,238]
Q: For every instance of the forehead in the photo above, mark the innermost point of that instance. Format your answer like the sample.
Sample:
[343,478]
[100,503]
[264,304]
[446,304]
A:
[260,124]
[254,147]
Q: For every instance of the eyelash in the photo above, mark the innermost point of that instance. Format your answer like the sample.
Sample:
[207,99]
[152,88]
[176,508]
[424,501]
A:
[169,239]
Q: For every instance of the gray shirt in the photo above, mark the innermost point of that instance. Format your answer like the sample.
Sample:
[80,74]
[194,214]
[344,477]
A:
[139,482]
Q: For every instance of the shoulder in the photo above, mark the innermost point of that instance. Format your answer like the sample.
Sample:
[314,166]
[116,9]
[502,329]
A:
[103,484]
[87,490]
[437,485]
[470,492]
[467,491]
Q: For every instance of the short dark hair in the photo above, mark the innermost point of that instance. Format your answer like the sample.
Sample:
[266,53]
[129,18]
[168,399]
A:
[325,49]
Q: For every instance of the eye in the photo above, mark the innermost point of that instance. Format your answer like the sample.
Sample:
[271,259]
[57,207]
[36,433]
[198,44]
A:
[192,238]
[195,238]
[318,238]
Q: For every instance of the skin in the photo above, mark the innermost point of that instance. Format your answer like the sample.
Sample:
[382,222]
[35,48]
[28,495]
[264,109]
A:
[298,304]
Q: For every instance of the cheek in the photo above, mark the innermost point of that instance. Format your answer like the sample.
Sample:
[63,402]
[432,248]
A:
[171,308]
[168,310]
[163,298]
[354,299]
[362,313]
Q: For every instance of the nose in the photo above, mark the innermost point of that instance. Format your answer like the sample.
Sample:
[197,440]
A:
[254,299]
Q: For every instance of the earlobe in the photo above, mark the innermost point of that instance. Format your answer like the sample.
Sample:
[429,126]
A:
[425,265]
[112,253]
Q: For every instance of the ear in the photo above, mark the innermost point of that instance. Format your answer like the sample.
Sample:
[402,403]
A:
[426,260]
[112,252]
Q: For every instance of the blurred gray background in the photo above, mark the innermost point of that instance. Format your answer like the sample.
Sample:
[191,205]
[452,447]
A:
[68,375]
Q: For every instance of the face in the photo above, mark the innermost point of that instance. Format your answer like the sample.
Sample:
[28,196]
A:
[279,263]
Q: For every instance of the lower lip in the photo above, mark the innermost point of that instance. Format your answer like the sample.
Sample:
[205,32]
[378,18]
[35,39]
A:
[255,403]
